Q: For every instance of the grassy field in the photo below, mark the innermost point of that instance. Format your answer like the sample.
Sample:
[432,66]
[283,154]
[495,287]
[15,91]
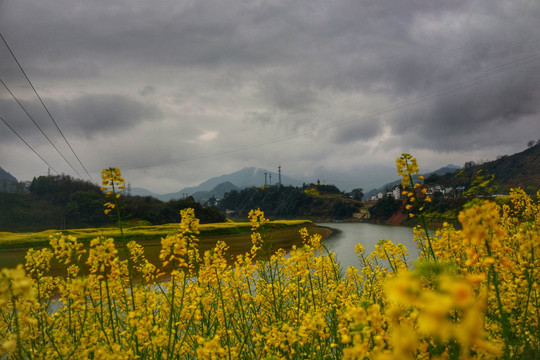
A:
[237,235]
[12,240]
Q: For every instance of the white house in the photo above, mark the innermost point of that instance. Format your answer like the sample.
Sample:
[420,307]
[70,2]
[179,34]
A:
[396,193]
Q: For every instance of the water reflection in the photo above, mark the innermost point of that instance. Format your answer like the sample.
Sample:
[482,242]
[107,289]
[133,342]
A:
[349,234]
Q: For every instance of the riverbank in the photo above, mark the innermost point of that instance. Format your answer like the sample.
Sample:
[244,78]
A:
[12,240]
[281,234]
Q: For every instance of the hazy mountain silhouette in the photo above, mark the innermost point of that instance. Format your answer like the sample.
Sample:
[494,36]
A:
[215,186]
[4,175]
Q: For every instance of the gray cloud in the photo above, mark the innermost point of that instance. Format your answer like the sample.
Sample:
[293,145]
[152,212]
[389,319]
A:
[93,114]
[459,120]
[148,90]
[259,72]
[359,131]
[288,97]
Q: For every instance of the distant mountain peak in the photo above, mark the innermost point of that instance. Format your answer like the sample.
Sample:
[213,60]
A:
[218,185]
[246,177]
[4,175]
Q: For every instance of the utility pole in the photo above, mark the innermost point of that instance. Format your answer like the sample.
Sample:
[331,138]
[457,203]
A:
[279,174]
[270,175]
[265,179]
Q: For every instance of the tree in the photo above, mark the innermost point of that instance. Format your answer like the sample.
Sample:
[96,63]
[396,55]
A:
[357,194]
[342,210]
[384,208]
[530,143]
[85,208]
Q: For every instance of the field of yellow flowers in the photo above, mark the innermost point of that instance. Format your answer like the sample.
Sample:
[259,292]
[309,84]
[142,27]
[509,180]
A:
[472,294]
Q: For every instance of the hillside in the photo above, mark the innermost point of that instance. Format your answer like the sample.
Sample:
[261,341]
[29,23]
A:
[59,202]
[448,169]
[286,202]
[4,175]
[518,170]
[8,182]
[200,196]
[217,192]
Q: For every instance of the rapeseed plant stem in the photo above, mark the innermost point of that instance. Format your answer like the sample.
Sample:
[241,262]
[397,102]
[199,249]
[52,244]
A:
[101,317]
[423,221]
[16,320]
[224,309]
[502,313]
[181,307]
[171,311]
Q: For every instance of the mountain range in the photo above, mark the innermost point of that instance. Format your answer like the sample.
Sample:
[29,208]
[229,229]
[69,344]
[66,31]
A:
[520,169]
[345,180]
[219,185]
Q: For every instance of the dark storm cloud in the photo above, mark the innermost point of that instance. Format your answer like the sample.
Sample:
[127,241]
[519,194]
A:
[257,71]
[422,59]
[179,34]
[94,114]
[85,116]
[451,121]
[366,45]
[365,130]
[320,36]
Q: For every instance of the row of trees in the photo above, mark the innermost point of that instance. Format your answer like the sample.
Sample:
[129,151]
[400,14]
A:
[60,201]
[290,202]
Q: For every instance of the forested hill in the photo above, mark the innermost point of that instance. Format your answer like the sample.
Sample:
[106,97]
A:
[287,202]
[519,170]
[58,202]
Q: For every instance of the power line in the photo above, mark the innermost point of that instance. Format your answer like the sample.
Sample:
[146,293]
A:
[44,106]
[31,148]
[390,108]
[31,118]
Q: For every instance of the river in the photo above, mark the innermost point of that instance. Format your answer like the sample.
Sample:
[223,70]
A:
[343,241]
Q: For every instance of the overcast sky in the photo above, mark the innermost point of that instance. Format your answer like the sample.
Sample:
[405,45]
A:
[174,92]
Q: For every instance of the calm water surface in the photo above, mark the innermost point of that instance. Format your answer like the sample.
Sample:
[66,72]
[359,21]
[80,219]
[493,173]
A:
[342,242]
[349,234]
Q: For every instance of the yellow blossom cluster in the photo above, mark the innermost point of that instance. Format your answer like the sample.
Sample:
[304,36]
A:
[406,167]
[182,248]
[112,182]
[257,219]
[473,294]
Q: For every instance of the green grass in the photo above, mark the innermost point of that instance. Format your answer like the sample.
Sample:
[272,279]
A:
[12,240]
[237,235]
